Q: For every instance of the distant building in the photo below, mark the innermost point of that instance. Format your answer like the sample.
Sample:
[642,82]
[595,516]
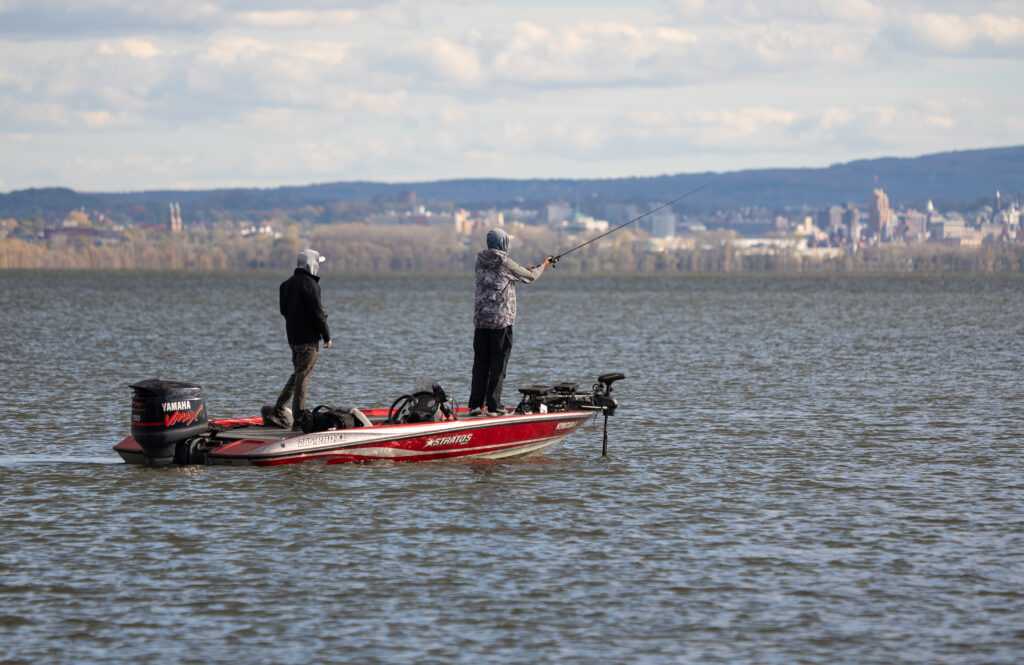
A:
[175,221]
[913,225]
[583,223]
[463,224]
[852,223]
[831,219]
[524,215]
[617,213]
[558,212]
[492,218]
[264,230]
[467,223]
[663,223]
[880,215]
[93,236]
[947,229]
[767,246]
[809,231]
[972,240]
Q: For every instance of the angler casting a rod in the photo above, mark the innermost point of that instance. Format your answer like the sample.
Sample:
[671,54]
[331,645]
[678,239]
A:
[494,313]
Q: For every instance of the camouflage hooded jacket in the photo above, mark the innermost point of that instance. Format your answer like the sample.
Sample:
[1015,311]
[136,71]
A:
[496,275]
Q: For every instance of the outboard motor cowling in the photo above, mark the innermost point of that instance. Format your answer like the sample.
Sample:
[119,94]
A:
[165,413]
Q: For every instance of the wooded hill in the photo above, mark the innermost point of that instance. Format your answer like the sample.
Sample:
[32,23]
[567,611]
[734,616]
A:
[951,179]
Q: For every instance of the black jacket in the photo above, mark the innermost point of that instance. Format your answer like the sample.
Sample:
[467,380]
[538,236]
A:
[304,316]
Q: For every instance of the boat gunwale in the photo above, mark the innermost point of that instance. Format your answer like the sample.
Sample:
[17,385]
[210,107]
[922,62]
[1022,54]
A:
[477,423]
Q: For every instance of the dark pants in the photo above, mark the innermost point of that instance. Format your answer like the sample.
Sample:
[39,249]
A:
[303,359]
[491,349]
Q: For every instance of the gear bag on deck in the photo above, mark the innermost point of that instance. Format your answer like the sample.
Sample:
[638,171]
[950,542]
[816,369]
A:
[324,418]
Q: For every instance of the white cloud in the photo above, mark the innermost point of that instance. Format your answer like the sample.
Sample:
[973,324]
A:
[854,11]
[66,19]
[371,103]
[451,115]
[330,54]
[584,137]
[230,50]
[444,59]
[832,118]
[517,135]
[804,11]
[98,119]
[448,88]
[743,126]
[618,55]
[48,116]
[134,48]
[951,34]
[674,36]
[296,18]
[591,53]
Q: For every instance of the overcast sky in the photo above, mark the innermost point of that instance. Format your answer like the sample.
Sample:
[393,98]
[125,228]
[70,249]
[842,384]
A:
[114,95]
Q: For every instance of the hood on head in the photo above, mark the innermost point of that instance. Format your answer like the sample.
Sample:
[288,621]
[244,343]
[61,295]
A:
[497,239]
[310,260]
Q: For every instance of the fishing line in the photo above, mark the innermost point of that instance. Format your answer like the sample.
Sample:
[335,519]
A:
[554,259]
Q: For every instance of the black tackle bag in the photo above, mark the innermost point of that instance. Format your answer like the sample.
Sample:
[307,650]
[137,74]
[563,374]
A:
[324,418]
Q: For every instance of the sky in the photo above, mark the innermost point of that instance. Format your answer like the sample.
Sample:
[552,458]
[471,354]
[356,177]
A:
[123,95]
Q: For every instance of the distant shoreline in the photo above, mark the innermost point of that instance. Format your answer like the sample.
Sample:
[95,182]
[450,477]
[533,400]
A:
[361,249]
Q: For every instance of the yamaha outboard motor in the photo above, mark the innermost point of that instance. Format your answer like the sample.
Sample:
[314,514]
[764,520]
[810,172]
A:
[165,413]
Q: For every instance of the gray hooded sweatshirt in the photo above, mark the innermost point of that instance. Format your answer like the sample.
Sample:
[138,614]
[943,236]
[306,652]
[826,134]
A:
[496,275]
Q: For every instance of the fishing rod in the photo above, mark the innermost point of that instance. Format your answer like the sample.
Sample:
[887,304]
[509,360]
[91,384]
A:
[554,259]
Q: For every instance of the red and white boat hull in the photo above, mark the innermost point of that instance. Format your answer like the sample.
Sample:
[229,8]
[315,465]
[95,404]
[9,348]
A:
[500,437]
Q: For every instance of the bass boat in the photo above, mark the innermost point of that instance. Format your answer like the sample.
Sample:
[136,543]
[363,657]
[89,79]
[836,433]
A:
[170,426]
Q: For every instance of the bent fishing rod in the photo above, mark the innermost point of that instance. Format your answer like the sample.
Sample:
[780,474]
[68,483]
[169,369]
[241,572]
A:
[554,259]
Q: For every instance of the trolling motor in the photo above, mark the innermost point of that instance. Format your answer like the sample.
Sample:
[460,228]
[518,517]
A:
[566,397]
[603,395]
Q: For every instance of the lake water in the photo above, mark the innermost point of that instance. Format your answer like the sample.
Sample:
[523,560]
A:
[803,470]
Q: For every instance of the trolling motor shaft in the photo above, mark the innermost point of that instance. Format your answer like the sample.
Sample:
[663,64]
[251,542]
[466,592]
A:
[605,381]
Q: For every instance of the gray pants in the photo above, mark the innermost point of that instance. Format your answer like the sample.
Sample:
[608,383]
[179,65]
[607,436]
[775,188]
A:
[303,358]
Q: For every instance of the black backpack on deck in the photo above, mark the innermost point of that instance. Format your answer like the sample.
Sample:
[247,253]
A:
[324,418]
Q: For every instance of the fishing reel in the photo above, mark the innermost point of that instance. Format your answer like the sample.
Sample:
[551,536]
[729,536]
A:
[554,260]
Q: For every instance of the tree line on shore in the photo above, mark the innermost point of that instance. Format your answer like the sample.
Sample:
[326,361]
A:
[365,248]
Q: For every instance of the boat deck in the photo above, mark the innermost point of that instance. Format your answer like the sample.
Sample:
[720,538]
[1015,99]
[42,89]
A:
[268,433]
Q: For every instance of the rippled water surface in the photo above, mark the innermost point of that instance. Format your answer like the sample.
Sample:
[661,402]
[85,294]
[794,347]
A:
[804,470]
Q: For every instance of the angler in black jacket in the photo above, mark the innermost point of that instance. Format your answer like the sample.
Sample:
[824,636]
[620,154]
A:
[306,324]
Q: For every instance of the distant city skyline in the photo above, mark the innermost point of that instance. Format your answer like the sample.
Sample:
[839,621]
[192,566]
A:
[114,95]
